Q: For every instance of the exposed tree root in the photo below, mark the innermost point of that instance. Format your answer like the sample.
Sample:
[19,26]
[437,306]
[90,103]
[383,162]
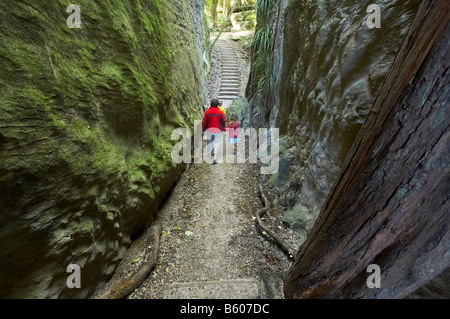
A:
[266,230]
[124,288]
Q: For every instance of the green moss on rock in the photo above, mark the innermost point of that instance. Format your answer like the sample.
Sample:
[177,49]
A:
[86,118]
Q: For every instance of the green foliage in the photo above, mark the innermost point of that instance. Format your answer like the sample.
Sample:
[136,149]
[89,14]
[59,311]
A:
[214,10]
[262,46]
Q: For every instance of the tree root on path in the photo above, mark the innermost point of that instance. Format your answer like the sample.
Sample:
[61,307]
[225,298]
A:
[275,237]
[123,288]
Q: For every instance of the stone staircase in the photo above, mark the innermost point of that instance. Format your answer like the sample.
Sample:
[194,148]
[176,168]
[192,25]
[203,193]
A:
[230,74]
[245,288]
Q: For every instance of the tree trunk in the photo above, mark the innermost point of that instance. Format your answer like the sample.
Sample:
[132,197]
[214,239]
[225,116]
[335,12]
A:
[225,12]
[121,289]
[390,205]
[215,3]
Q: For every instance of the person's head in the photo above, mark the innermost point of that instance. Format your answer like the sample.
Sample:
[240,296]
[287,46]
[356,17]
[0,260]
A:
[234,117]
[214,102]
[220,102]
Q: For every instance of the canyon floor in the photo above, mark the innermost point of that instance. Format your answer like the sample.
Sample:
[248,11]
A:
[210,245]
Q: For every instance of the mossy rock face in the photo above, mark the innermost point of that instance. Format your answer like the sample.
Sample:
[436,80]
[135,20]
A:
[85,121]
[301,220]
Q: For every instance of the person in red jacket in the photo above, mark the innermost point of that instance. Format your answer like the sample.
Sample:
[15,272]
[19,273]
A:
[233,129]
[214,125]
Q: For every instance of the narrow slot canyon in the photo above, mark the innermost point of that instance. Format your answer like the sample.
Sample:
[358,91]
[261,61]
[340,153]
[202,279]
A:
[328,179]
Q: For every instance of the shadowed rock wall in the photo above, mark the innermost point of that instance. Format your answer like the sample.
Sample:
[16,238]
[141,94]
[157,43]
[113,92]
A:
[326,66]
[85,121]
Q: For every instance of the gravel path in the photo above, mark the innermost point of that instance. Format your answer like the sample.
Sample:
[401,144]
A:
[209,233]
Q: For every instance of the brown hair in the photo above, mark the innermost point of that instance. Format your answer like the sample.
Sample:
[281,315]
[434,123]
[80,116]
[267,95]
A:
[215,102]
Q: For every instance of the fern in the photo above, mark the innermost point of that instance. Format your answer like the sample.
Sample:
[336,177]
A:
[262,46]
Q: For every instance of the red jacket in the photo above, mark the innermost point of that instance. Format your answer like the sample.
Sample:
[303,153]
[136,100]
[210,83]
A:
[233,128]
[214,120]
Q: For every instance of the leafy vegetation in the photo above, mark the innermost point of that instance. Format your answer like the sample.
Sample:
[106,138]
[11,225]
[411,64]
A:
[262,46]
[217,11]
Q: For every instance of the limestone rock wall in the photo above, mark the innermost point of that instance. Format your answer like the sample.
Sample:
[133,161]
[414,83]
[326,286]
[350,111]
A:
[326,66]
[86,116]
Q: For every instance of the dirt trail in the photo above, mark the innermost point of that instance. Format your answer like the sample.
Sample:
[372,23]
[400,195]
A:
[209,233]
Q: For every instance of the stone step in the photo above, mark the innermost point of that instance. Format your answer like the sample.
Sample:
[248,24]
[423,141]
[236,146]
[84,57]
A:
[246,288]
[227,92]
[226,81]
[229,85]
[228,88]
[230,76]
[223,95]
[234,88]
[227,97]
[224,91]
